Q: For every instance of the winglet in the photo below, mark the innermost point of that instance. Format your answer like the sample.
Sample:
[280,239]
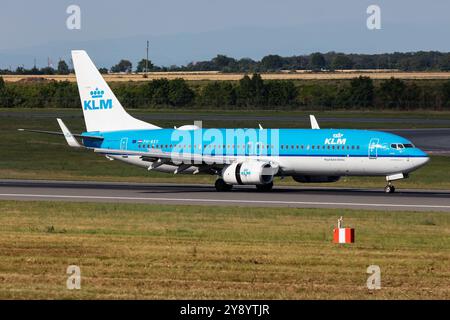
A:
[260,126]
[314,124]
[71,141]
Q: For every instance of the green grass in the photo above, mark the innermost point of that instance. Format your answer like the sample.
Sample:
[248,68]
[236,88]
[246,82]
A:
[129,251]
[37,156]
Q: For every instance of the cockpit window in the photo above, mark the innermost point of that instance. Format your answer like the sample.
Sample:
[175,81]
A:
[401,145]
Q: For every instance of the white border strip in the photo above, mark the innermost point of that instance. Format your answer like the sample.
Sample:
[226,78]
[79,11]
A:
[56,196]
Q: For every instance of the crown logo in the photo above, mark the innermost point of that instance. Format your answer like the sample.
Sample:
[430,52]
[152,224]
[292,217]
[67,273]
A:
[97,93]
[338,135]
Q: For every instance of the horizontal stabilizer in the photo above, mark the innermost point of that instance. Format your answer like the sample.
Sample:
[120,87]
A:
[71,141]
[60,134]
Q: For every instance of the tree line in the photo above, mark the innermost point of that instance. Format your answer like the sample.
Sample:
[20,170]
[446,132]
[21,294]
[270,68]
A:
[410,61]
[250,92]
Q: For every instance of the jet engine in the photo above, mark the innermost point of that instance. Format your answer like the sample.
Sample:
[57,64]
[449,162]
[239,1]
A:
[249,172]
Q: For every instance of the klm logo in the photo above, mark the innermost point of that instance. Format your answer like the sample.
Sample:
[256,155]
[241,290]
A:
[337,139]
[246,172]
[96,102]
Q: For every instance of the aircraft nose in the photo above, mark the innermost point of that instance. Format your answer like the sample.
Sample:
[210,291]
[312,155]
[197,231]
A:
[420,161]
[424,160]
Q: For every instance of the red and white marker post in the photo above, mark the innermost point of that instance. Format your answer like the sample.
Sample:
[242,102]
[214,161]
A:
[343,235]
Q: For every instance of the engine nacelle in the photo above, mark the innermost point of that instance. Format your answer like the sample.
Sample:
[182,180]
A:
[316,179]
[249,172]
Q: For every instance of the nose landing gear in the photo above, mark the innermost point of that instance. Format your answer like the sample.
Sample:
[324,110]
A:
[389,188]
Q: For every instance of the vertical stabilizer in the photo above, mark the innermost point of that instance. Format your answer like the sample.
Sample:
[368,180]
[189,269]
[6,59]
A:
[101,109]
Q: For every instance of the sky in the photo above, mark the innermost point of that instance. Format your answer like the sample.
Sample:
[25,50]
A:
[181,31]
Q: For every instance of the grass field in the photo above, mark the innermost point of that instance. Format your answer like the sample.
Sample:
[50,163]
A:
[217,76]
[128,251]
[37,156]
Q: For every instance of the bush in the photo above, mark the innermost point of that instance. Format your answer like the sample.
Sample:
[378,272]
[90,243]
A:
[218,94]
[391,93]
[446,94]
[361,92]
[249,92]
[281,93]
[179,93]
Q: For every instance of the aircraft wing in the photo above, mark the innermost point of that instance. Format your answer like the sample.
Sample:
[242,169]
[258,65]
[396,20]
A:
[172,157]
[204,163]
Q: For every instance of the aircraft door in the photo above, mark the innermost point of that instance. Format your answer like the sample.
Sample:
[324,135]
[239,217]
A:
[123,143]
[373,148]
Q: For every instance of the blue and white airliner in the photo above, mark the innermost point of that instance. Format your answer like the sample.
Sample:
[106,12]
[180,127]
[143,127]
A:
[236,156]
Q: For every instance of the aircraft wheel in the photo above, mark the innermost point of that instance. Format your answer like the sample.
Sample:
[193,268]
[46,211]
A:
[264,187]
[222,186]
[389,189]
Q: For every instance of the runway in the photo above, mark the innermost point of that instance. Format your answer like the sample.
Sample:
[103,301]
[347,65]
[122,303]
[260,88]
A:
[301,197]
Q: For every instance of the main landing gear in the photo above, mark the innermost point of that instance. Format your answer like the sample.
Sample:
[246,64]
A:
[389,188]
[264,187]
[222,185]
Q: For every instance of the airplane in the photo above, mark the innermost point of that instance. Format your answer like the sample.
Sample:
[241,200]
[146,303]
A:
[252,156]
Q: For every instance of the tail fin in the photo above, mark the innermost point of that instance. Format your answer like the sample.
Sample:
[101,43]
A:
[101,109]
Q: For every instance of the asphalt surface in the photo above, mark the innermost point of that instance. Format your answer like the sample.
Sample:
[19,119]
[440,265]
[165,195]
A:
[305,197]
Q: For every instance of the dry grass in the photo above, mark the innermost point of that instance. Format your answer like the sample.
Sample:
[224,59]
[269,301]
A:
[214,75]
[158,251]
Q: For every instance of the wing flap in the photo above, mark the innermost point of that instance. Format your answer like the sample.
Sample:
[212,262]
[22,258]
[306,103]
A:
[174,157]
